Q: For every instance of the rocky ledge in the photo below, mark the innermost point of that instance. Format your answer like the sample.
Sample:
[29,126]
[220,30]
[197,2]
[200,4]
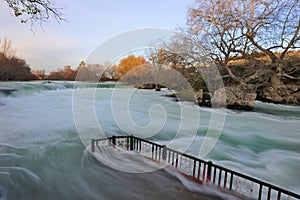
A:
[285,94]
[232,97]
[240,97]
[235,98]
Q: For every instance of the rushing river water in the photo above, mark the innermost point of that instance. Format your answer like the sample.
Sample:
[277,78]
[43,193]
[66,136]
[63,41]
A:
[42,155]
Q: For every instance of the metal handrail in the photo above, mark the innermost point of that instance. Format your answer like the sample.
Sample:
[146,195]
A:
[199,170]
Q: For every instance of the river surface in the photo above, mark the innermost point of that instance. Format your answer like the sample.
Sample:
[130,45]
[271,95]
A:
[43,153]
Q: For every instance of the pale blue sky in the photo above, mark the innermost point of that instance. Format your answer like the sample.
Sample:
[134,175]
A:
[90,23]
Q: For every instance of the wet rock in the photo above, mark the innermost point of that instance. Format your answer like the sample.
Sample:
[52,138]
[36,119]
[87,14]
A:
[285,94]
[237,97]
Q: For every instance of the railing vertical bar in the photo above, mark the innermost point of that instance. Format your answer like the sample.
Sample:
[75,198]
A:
[173,159]
[194,169]
[152,152]
[231,181]
[215,171]
[199,170]
[225,179]
[169,156]
[279,195]
[203,173]
[176,165]
[159,154]
[269,194]
[113,140]
[93,145]
[136,144]
[260,192]
[156,151]
[220,177]
[140,145]
[162,153]
[131,142]
[190,166]
[208,175]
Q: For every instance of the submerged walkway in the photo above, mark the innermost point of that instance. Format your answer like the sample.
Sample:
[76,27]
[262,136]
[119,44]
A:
[211,176]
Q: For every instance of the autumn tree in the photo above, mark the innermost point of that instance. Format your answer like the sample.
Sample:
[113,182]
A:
[35,11]
[56,75]
[66,73]
[129,64]
[69,73]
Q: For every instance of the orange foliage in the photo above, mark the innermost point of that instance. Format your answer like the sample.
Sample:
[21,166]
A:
[63,74]
[69,74]
[128,64]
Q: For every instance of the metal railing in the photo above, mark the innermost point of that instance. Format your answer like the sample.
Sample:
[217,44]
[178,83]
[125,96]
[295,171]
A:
[204,172]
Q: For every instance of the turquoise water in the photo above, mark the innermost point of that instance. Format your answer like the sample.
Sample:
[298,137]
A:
[43,156]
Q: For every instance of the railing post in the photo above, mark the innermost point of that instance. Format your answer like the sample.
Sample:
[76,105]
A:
[131,142]
[93,145]
[164,152]
[113,140]
[209,165]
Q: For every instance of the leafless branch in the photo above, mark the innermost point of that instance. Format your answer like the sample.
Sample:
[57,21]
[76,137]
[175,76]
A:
[35,11]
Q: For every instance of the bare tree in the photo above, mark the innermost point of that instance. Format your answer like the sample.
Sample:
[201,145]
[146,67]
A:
[212,23]
[231,28]
[179,54]
[39,73]
[6,48]
[35,11]
[274,26]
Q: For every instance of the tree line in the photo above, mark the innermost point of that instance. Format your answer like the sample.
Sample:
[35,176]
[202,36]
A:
[94,72]
[13,68]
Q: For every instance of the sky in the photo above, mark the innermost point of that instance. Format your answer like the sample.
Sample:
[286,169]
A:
[89,24]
